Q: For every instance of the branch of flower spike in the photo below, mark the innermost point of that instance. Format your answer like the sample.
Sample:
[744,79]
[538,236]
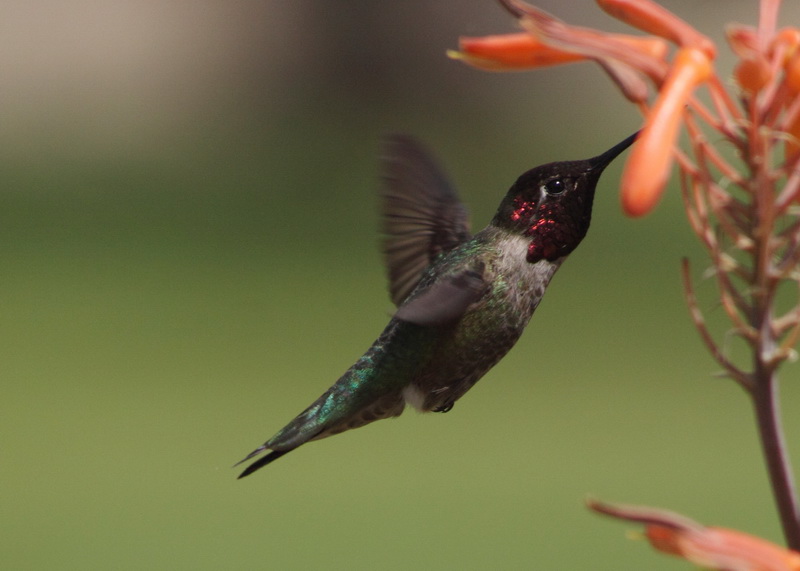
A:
[704,150]
[696,210]
[645,515]
[744,379]
[737,309]
[630,83]
[787,257]
[786,350]
[788,245]
[791,190]
[731,115]
[697,193]
[510,5]
[787,327]
[718,123]
[733,221]
[695,201]
[731,214]
[791,318]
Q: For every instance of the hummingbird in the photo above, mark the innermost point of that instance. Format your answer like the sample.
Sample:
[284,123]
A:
[462,300]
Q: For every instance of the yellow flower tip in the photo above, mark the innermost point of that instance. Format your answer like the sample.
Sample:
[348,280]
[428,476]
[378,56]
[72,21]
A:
[654,19]
[457,56]
[484,64]
[635,535]
[509,52]
[648,168]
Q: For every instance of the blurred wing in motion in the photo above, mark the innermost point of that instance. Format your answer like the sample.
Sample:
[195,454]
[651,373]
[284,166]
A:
[422,214]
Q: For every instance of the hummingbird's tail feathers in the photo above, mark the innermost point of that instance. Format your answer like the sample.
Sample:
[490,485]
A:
[261,462]
[255,452]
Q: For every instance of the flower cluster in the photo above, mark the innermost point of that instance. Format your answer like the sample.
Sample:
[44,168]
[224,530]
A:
[768,76]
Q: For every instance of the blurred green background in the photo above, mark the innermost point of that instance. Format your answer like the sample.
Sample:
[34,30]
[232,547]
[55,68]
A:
[188,241]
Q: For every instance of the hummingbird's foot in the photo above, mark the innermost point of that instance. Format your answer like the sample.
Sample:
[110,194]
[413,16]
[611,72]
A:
[446,407]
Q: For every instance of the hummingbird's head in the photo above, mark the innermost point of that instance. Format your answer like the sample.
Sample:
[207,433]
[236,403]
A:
[552,204]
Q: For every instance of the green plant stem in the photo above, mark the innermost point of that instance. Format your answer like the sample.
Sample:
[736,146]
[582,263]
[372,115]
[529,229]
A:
[765,399]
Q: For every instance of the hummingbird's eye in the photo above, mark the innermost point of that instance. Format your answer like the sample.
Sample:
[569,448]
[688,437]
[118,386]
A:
[554,186]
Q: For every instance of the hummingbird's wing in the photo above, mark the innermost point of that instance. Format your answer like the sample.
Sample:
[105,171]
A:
[422,215]
[445,301]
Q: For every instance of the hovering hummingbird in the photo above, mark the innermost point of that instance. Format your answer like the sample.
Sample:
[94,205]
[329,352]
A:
[463,300]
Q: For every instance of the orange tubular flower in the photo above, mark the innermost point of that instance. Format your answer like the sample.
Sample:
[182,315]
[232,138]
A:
[787,39]
[521,51]
[720,548]
[648,168]
[752,74]
[509,52]
[793,125]
[654,19]
[631,62]
[709,547]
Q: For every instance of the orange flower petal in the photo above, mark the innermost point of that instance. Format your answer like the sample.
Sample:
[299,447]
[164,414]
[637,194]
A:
[792,146]
[752,73]
[793,74]
[742,39]
[789,40]
[709,547]
[654,19]
[719,548]
[647,170]
[645,55]
[509,52]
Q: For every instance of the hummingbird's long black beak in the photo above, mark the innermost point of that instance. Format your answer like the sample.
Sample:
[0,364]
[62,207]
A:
[600,162]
